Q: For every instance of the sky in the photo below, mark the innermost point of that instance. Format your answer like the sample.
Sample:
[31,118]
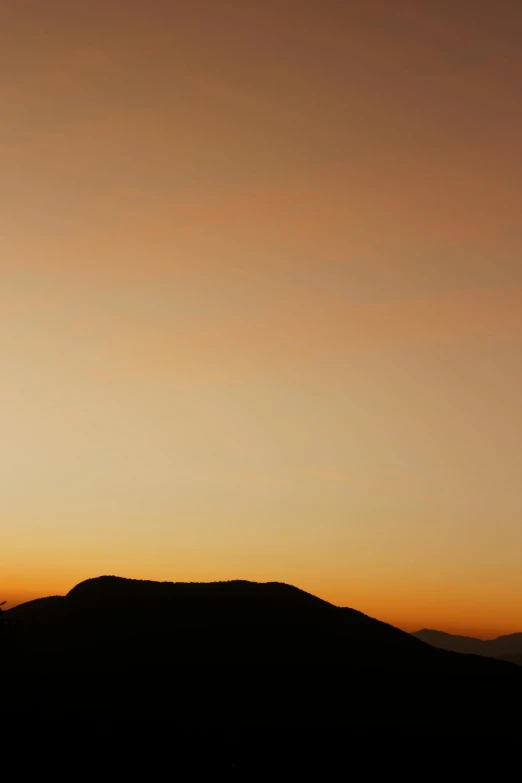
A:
[261,300]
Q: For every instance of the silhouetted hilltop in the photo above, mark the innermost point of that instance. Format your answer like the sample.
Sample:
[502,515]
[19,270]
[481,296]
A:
[244,653]
[503,646]
[274,598]
[307,627]
[279,623]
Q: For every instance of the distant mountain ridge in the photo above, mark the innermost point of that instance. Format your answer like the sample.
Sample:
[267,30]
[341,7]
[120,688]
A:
[507,647]
[512,659]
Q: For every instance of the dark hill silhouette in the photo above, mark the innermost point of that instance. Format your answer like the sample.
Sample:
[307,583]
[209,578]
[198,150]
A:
[118,609]
[245,654]
[503,646]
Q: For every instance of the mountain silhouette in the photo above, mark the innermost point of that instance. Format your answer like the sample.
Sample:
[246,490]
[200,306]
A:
[505,647]
[244,654]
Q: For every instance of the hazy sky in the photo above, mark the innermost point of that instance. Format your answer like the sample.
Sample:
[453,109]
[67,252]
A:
[261,299]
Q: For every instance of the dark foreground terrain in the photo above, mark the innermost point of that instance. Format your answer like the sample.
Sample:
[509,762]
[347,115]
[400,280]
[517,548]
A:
[263,674]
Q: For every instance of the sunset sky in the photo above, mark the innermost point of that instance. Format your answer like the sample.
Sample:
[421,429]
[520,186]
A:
[261,300]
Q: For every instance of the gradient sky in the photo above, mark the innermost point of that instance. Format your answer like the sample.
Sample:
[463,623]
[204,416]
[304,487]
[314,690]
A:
[261,300]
